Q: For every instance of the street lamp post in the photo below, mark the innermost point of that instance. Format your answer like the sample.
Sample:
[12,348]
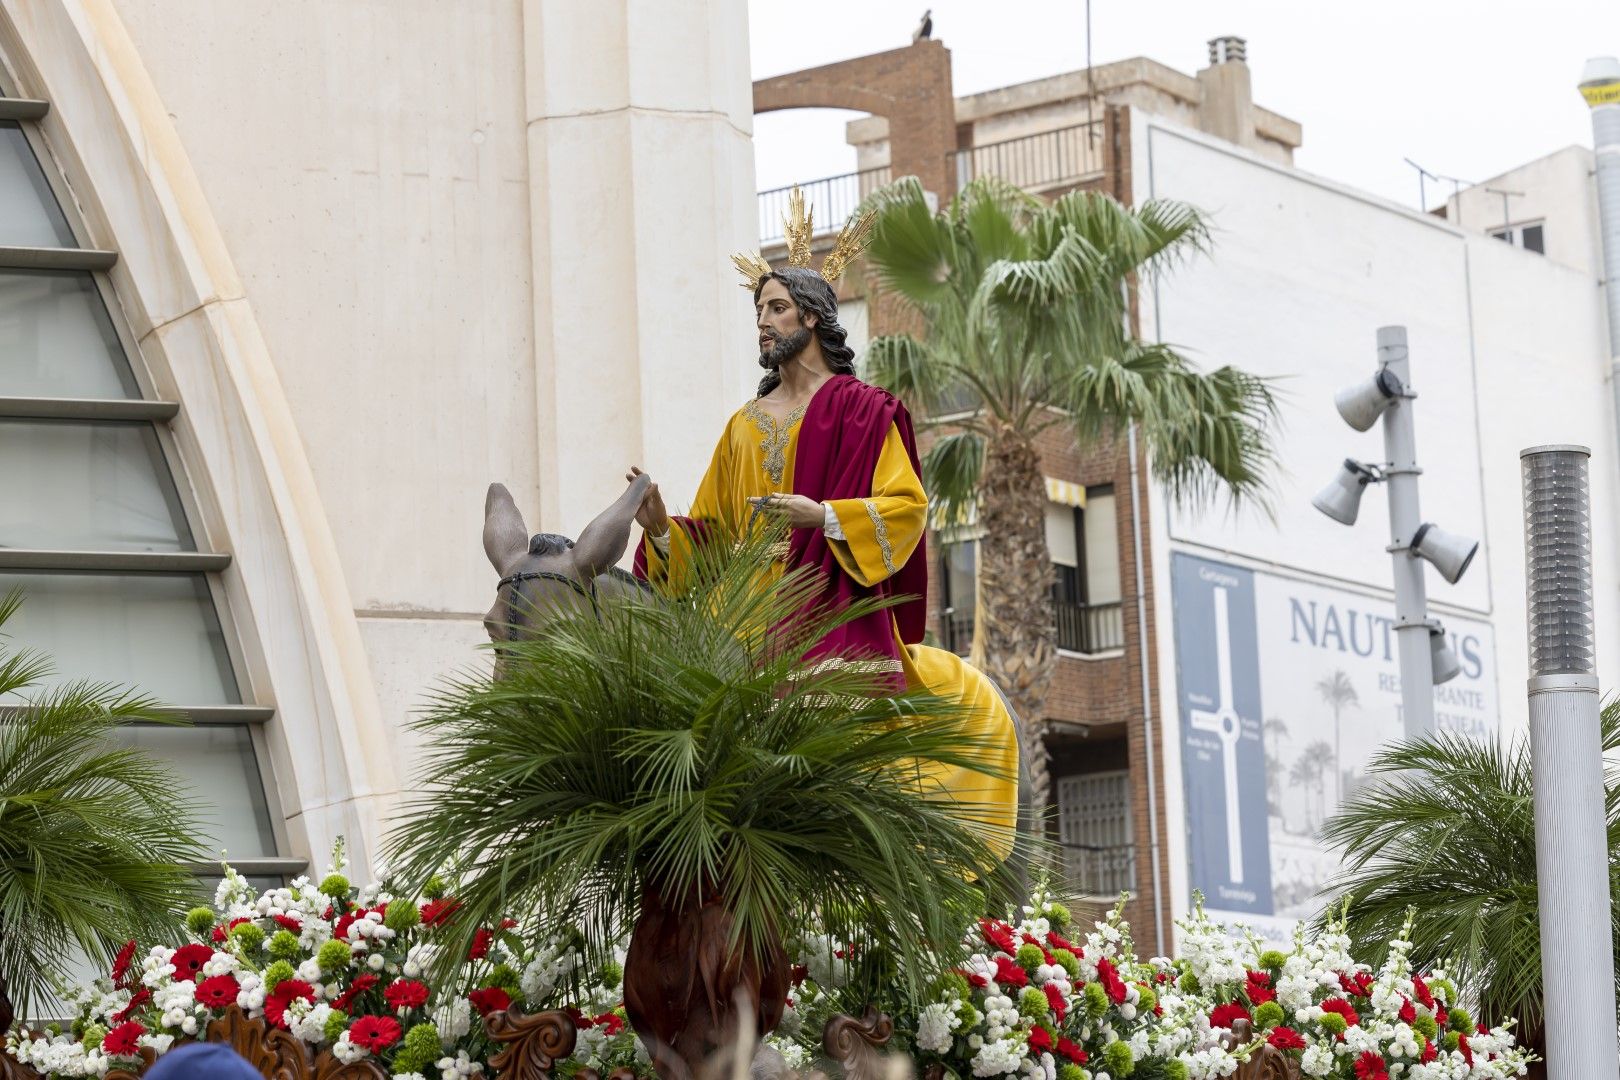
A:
[1572,847]
[1425,658]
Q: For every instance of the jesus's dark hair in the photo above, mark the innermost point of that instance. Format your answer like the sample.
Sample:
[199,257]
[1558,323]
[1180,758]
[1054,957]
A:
[813,296]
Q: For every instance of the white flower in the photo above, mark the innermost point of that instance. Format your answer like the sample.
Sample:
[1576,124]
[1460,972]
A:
[1318,1061]
[375,961]
[347,1052]
[998,1058]
[934,1026]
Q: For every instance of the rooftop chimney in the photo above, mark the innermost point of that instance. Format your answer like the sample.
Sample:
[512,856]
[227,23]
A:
[1227,108]
[1224,49]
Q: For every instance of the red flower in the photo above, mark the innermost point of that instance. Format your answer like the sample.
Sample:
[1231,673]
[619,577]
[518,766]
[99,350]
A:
[341,930]
[121,1039]
[1286,1038]
[1467,1051]
[1057,941]
[406,994]
[361,984]
[1343,1008]
[1108,975]
[797,974]
[613,1022]
[1054,998]
[438,912]
[189,960]
[1009,973]
[287,922]
[999,934]
[121,963]
[491,999]
[219,935]
[1359,984]
[139,998]
[286,992]
[508,924]
[375,1033]
[1071,1050]
[1429,1052]
[1408,1011]
[1369,1066]
[219,991]
[480,944]
[977,981]
[1039,1040]
[1224,1016]
[1421,988]
[1258,990]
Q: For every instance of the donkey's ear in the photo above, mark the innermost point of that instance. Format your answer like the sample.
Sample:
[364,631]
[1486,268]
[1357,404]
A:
[505,536]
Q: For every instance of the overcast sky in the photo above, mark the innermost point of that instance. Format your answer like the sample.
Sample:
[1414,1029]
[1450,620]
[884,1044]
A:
[1464,89]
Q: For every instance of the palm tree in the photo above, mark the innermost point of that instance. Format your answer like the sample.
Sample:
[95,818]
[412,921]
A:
[1307,773]
[93,838]
[1273,731]
[1340,694]
[1027,313]
[678,770]
[1445,828]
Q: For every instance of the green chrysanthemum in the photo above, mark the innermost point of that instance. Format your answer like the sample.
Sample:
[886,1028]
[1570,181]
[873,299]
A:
[1033,1004]
[337,1022]
[1058,916]
[507,978]
[1333,1022]
[1175,1070]
[435,888]
[1029,957]
[248,937]
[284,945]
[1188,983]
[276,974]
[953,984]
[401,916]
[200,920]
[1146,1000]
[333,957]
[1272,960]
[1095,999]
[1459,1020]
[1120,1061]
[419,1049]
[612,974]
[1070,1071]
[1425,1026]
[1451,1040]
[1268,1016]
[1068,962]
[336,886]
[92,1037]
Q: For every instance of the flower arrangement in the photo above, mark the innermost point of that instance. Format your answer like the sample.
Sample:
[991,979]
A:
[346,970]
[1338,1019]
[1031,1002]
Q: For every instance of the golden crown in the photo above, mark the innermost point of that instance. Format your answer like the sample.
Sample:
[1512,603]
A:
[798,227]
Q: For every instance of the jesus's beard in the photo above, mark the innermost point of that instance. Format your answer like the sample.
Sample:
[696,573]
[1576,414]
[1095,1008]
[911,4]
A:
[784,349]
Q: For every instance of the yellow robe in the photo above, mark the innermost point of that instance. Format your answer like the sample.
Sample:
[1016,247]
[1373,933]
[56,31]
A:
[755,458]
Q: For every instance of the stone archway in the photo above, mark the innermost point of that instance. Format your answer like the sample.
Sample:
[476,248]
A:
[909,87]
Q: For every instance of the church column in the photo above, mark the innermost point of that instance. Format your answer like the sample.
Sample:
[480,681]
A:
[641,174]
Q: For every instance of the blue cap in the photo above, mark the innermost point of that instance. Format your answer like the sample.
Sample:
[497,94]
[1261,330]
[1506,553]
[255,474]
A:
[202,1061]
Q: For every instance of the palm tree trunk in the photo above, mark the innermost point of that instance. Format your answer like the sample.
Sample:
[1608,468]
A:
[1015,569]
[5,998]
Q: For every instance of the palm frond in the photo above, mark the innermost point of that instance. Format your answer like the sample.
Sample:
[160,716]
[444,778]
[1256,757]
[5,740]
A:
[952,469]
[94,837]
[687,744]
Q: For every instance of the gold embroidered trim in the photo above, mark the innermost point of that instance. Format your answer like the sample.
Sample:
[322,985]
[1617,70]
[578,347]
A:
[774,444]
[881,527]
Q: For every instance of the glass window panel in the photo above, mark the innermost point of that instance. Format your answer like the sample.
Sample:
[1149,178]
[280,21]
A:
[29,215]
[1102,549]
[222,773]
[56,339]
[155,632]
[87,486]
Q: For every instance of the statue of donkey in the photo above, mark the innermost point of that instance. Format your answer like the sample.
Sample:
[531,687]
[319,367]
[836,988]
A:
[542,573]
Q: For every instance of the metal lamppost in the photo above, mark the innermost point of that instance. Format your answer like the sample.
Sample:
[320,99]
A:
[1572,848]
[1425,657]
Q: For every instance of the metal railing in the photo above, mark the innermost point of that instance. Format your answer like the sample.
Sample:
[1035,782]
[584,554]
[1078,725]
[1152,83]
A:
[832,200]
[1035,162]
[1100,871]
[1089,628]
[956,630]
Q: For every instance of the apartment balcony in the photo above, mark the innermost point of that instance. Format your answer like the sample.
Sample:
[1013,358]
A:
[832,200]
[1038,163]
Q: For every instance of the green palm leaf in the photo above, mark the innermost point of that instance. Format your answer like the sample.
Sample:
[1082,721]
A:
[94,837]
[686,744]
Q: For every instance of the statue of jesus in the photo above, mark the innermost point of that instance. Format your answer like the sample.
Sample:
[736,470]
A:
[836,459]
